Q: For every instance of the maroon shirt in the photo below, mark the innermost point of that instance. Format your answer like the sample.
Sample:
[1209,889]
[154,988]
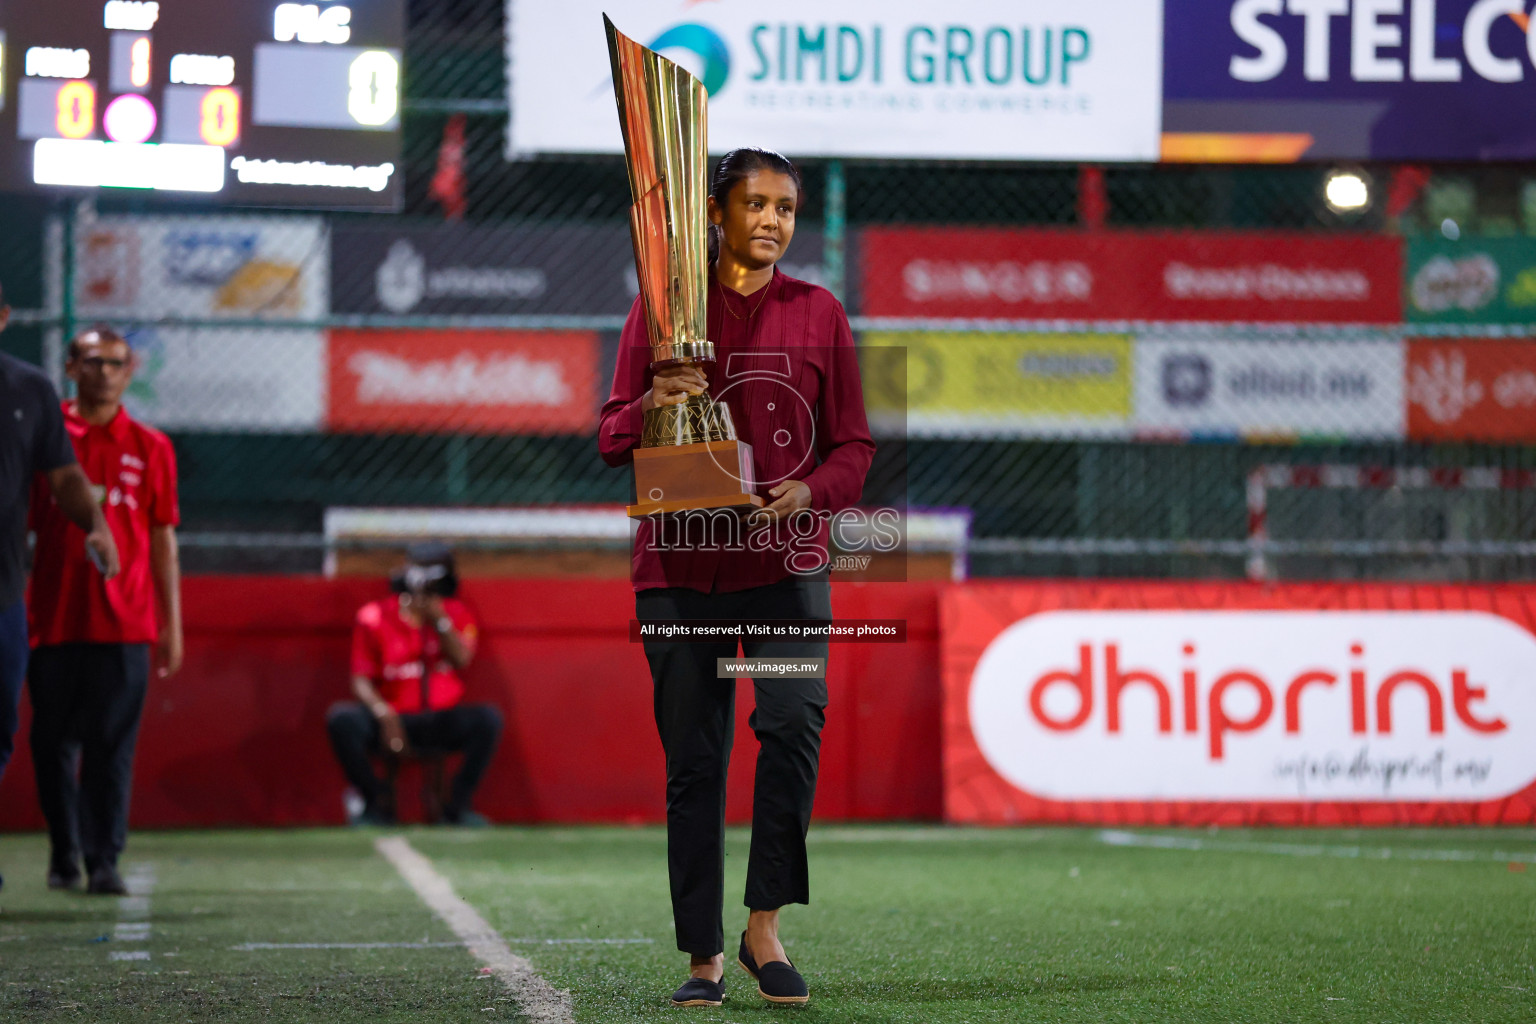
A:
[794,394]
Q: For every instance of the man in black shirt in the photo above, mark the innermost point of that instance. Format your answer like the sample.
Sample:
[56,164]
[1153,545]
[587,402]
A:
[32,441]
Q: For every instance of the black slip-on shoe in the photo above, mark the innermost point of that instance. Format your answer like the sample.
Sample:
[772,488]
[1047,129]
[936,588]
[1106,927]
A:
[466,819]
[777,981]
[64,877]
[371,817]
[105,881]
[700,992]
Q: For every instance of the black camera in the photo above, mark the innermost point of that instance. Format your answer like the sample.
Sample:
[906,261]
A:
[429,570]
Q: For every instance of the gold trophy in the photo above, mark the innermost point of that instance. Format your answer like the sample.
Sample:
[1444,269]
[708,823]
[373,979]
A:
[689,456]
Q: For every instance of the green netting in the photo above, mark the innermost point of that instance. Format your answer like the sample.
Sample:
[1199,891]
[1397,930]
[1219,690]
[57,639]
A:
[1052,499]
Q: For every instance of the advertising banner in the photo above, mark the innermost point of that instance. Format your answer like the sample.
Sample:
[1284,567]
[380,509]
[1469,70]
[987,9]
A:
[1220,703]
[1474,280]
[463,270]
[1251,80]
[153,267]
[468,270]
[1263,388]
[1026,274]
[1472,391]
[1008,385]
[225,378]
[982,79]
[524,382]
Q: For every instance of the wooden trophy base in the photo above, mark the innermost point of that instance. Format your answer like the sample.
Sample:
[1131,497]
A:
[706,475]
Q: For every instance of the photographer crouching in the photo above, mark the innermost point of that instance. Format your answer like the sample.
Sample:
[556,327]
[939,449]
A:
[407,651]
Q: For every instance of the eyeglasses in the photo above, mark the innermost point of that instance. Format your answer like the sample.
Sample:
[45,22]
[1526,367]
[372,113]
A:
[99,363]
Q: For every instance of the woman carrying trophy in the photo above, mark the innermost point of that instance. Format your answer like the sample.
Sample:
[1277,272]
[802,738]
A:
[748,432]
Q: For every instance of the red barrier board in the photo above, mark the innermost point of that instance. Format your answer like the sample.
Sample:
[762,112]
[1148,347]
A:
[1238,704]
[238,737]
[1032,274]
[1471,390]
[491,381]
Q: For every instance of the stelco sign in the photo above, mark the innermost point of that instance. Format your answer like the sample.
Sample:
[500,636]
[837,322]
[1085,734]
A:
[1012,79]
[1259,706]
[1384,44]
[1385,79]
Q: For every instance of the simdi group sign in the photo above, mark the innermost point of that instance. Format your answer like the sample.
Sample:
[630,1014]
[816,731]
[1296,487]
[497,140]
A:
[1226,703]
[1003,79]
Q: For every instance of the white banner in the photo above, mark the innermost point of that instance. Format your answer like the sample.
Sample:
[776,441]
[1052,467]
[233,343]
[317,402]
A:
[979,79]
[1259,705]
[157,267]
[1258,387]
[228,378]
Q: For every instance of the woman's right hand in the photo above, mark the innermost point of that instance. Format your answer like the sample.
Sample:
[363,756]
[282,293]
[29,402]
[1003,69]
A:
[674,385]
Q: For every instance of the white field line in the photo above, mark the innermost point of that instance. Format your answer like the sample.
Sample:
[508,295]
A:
[133,913]
[582,942]
[1112,837]
[875,833]
[539,1001]
[1015,834]
[928,834]
[258,947]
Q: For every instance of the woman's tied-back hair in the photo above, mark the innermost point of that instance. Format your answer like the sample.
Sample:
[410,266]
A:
[736,166]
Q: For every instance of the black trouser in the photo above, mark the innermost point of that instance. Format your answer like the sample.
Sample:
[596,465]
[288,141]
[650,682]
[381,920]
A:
[695,717]
[86,703]
[470,729]
[13,669]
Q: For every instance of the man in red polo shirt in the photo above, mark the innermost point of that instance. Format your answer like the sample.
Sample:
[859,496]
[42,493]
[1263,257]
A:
[91,636]
[407,651]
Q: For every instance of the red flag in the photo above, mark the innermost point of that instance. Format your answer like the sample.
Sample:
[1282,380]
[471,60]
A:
[1408,182]
[448,181]
[1092,197]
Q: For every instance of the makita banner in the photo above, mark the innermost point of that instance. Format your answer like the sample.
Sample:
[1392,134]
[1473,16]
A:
[1032,274]
[513,382]
[1228,703]
[1278,80]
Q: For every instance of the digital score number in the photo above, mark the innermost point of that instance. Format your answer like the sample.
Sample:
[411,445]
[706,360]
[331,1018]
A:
[292,104]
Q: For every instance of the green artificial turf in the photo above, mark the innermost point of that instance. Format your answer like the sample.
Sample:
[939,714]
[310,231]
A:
[909,924]
[214,891]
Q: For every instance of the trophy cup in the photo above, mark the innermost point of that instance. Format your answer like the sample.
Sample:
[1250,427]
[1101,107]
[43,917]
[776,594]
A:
[689,456]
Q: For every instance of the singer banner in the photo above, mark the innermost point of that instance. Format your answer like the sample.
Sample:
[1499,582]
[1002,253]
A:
[1038,274]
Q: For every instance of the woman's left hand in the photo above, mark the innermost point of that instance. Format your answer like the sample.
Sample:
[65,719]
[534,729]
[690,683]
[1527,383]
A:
[789,497]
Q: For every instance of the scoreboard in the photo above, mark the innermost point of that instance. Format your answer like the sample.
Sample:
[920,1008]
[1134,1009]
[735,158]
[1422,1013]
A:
[249,101]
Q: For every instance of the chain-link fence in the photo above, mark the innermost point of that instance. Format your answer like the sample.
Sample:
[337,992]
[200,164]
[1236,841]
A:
[1098,360]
